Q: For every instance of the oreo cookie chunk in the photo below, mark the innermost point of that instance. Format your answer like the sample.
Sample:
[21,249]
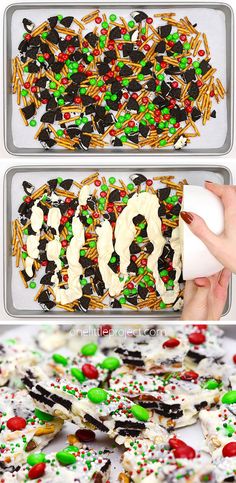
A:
[176,399]
[105,410]
[155,356]
[24,430]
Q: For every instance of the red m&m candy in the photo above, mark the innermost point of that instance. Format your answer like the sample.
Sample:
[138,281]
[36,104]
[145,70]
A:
[90,371]
[197,338]
[85,435]
[229,450]
[176,443]
[16,423]
[189,376]
[185,451]
[37,471]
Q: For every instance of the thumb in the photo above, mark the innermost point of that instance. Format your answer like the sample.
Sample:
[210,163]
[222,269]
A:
[198,226]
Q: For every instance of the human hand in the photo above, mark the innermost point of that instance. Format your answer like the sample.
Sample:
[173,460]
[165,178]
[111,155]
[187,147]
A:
[223,246]
[205,298]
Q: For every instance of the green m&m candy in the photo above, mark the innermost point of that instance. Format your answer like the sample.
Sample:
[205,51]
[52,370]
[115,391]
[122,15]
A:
[78,374]
[65,458]
[131,24]
[140,413]
[229,397]
[122,300]
[89,349]
[162,305]
[130,186]
[97,395]
[163,142]
[186,46]
[110,363]
[36,458]
[92,244]
[198,71]
[42,416]
[59,359]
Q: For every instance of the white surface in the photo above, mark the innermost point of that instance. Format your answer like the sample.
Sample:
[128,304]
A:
[209,21]
[139,161]
[206,204]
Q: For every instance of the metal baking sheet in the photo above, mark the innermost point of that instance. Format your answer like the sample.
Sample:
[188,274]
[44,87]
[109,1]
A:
[215,19]
[18,301]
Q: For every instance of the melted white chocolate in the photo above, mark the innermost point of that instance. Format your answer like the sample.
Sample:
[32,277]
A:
[146,204]
[53,250]
[32,243]
[54,217]
[74,290]
[105,249]
[36,219]
[29,266]
[32,246]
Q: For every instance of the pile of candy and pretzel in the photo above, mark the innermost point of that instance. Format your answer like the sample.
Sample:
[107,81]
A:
[136,82]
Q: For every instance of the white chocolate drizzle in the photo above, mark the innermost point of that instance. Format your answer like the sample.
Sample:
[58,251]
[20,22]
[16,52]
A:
[175,245]
[105,249]
[36,221]
[53,250]
[54,217]
[147,205]
[53,247]
[32,246]
[29,266]
[74,290]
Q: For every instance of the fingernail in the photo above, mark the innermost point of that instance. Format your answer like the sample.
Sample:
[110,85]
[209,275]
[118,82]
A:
[209,181]
[187,217]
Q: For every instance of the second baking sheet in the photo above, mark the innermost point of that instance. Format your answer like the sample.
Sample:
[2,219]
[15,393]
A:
[18,301]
